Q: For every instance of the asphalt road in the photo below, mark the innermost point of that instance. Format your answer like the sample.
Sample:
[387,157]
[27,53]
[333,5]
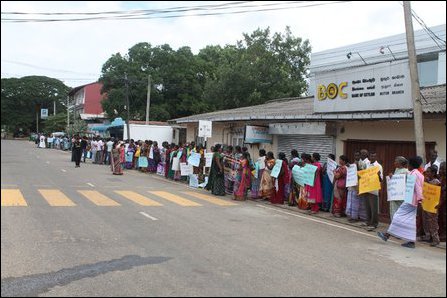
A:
[195,249]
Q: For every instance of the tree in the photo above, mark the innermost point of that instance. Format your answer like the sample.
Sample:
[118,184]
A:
[22,98]
[56,122]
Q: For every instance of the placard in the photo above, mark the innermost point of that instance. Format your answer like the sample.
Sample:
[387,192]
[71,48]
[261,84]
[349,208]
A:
[185,169]
[142,162]
[409,189]
[331,166]
[276,169]
[175,164]
[208,159]
[194,180]
[297,175]
[431,194]
[369,180]
[151,153]
[129,156]
[194,159]
[396,187]
[351,176]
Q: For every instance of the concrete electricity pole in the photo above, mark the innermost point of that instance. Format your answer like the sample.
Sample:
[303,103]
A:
[415,91]
[127,105]
[148,98]
[68,115]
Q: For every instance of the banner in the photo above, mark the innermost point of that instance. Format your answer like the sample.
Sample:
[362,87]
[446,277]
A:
[309,174]
[351,176]
[208,159]
[331,166]
[185,169]
[194,159]
[369,180]
[297,175]
[276,169]
[142,162]
[396,187]
[431,194]
[409,189]
[129,156]
[194,180]
[175,164]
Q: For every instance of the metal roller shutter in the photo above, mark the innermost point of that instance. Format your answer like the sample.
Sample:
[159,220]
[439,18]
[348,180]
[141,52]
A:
[309,144]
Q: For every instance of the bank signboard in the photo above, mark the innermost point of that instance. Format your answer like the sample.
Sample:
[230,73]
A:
[257,134]
[383,86]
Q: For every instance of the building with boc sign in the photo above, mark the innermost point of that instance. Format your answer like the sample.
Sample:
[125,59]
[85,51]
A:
[360,97]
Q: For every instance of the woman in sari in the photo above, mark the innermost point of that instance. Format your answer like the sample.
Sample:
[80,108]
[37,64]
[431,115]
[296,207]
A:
[328,188]
[153,163]
[294,187]
[243,178]
[229,165]
[216,181]
[339,204]
[283,181]
[267,186]
[129,154]
[173,154]
[259,168]
[115,164]
[315,193]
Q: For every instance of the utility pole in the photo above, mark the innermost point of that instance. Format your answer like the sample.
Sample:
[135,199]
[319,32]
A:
[415,91]
[68,114]
[54,109]
[37,121]
[148,98]
[127,105]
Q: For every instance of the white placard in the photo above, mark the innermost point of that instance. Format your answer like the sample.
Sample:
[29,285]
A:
[208,159]
[351,176]
[331,166]
[185,169]
[205,128]
[194,180]
[151,153]
[396,187]
[175,164]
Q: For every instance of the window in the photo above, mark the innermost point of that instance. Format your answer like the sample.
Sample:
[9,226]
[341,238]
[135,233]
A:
[428,69]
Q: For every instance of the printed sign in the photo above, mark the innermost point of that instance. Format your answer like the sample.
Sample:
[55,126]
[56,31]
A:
[276,169]
[43,113]
[396,187]
[369,180]
[185,169]
[409,189]
[142,162]
[309,174]
[351,176]
[194,159]
[194,180]
[297,175]
[129,156]
[330,168]
[431,194]
[205,128]
[257,134]
[175,164]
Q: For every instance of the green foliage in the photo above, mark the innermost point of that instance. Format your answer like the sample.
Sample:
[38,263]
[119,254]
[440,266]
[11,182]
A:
[258,68]
[21,97]
[55,123]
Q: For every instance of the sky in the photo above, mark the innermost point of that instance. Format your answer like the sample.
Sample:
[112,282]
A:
[74,52]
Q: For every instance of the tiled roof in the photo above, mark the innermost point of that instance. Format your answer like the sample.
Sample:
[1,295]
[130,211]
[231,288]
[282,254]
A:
[301,108]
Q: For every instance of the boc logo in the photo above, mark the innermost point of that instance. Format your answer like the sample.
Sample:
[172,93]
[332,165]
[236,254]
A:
[331,91]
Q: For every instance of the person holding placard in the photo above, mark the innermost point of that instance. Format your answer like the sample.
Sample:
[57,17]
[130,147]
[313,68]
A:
[216,180]
[372,198]
[339,204]
[429,219]
[353,199]
[173,154]
[433,160]
[315,192]
[400,165]
[259,168]
[267,186]
[282,181]
[328,187]
[243,178]
[403,224]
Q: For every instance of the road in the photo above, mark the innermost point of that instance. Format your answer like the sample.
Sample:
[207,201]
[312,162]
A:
[100,240]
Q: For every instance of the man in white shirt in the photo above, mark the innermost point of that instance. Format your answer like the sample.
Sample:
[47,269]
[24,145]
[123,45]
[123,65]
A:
[109,151]
[372,198]
[94,145]
[100,147]
[433,160]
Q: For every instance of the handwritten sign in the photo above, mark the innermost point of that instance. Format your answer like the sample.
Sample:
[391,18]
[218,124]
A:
[194,159]
[330,168]
[431,194]
[369,180]
[185,169]
[175,164]
[351,176]
[276,169]
[409,189]
[129,156]
[208,159]
[309,174]
[396,187]
[142,162]
[297,174]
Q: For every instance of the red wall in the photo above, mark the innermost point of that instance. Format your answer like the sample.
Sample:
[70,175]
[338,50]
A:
[93,99]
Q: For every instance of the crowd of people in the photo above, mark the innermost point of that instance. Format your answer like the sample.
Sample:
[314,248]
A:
[232,171]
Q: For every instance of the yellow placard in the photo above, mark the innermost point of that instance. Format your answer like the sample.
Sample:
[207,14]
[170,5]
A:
[369,180]
[431,194]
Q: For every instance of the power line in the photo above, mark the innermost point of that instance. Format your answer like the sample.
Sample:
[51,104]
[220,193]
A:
[150,15]
[46,68]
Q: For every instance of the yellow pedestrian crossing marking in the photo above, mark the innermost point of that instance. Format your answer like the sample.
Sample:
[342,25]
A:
[98,198]
[137,198]
[12,197]
[174,198]
[56,198]
[210,199]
